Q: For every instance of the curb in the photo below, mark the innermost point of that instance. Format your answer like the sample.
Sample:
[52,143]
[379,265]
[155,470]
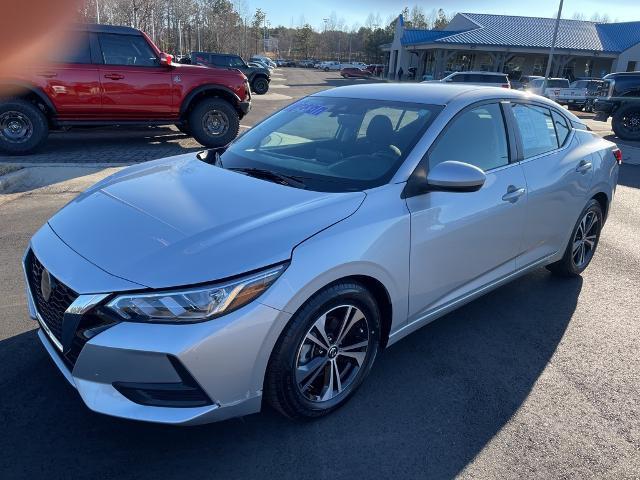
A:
[10,180]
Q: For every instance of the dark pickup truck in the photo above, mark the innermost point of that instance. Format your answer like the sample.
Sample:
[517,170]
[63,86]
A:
[619,98]
[258,77]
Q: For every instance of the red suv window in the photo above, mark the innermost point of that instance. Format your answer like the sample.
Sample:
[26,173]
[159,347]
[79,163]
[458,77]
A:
[127,50]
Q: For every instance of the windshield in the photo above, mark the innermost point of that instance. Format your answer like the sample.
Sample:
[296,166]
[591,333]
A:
[333,144]
[557,83]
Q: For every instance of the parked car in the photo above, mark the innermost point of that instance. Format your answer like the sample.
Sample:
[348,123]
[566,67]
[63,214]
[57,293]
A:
[375,69]
[278,270]
[306,63]
[330,65]
[354,72]
[117,76]
[619,98]
[266,60]
[258,76]
[579,95]
[485,79]
[520,82]
[552,88]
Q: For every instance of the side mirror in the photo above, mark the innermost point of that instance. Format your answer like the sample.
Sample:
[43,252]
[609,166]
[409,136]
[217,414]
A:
[166,59]
[454,176]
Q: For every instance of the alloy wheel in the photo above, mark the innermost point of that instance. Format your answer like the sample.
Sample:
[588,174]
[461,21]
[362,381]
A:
[215,123]
[332,353]
[631,122]
[584,240]
[15,127]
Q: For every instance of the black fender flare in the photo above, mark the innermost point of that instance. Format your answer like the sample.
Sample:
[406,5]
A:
[206,88]
[37,91]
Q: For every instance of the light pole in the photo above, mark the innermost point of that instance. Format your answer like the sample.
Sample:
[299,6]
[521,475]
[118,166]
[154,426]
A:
[553,47]
[97,11]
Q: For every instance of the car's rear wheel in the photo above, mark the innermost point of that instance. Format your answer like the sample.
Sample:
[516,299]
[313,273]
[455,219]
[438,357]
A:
[324,353]
[260,86]
[214,122]
[626,123]
[23,127]
[583,243]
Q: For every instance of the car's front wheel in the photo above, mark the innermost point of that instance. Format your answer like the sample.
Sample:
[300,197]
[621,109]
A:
[626,123]
[214,122]
[325,352]
[583,243]
[260,86]
[23,127]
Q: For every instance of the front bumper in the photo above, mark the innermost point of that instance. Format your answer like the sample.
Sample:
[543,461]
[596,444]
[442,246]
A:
[244,107]
[226,356]
[603,109]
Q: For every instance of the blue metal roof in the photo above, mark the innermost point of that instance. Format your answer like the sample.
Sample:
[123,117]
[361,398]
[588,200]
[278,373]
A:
[533,32]
[414,36]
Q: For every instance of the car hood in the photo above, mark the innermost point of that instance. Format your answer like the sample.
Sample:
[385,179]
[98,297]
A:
[180,221]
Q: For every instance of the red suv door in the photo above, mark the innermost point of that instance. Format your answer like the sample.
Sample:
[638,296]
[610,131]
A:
[134,84]
[71,81]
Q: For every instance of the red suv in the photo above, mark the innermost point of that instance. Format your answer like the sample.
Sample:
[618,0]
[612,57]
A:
[117,76]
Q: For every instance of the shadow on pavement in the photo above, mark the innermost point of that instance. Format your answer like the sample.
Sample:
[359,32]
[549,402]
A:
[432,402]
[110,145]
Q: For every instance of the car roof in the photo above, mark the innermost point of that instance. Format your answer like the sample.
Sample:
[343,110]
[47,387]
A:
[100,28]
[479,73]
[428,93]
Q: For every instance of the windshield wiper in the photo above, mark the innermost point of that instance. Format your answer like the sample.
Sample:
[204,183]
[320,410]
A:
[281,178]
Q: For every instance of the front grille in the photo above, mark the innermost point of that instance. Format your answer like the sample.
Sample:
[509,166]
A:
[52,310]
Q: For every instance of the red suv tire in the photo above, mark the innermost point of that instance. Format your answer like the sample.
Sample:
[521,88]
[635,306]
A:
[23,127]
[214,122]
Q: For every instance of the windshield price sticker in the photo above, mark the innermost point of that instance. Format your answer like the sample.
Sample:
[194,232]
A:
[309,108]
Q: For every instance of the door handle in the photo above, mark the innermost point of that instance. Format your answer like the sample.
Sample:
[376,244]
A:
[513,194]
[114,76]
[47,74]
[583,167]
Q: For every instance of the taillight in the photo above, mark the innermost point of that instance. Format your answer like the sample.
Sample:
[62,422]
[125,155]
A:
[505,85]
[618,155]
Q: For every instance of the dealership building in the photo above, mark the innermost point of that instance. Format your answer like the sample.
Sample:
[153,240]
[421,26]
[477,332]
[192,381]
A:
[503,43]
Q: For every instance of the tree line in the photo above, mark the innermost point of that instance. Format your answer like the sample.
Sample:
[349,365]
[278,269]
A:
[228,26]
[182,26]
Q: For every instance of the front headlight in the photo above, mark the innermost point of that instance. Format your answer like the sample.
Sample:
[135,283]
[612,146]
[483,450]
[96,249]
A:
[194,304]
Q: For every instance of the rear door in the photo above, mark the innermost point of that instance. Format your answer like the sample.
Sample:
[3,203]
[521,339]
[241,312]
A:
[462,241]
[558,173]
[134,84]
[71,80]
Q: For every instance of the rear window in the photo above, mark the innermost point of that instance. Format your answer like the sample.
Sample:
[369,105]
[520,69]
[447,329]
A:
[557,83]
[76,51]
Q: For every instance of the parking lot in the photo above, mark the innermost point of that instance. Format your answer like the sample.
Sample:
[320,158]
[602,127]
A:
[539,379]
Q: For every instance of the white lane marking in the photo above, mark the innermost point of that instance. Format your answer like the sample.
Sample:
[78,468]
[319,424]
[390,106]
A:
[277,85]
[271,96]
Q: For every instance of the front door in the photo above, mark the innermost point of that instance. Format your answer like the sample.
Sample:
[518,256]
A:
[134,84]
[462,241]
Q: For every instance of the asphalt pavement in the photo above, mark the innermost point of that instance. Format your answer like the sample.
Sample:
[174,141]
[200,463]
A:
[538,379]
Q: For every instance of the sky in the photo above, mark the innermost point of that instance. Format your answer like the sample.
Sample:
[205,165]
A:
[355,12]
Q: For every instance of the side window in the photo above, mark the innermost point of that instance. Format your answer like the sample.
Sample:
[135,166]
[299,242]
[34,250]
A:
[477,137]
[562,130]
[236,62]
[536,129]
[130,50]
[78,51]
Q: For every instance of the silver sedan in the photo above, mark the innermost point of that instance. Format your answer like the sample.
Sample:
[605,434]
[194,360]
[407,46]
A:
[191,289]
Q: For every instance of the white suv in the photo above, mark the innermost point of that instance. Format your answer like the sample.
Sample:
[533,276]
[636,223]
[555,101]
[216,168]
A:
[487,79]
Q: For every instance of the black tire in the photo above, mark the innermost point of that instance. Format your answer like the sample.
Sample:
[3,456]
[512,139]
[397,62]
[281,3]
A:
[567,266]
[281,389]
[222,119]
[23,127]
[326,69]
[626,122]
[184,128]
[260,86]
